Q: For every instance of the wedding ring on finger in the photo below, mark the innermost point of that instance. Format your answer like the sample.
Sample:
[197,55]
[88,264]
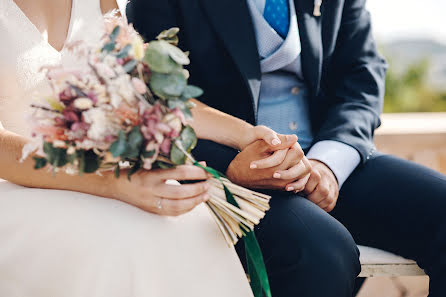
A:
[159,204]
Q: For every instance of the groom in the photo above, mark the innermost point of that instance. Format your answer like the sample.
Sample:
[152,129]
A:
[309,68]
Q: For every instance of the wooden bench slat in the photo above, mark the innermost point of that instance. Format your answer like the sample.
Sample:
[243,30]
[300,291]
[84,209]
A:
[375,262]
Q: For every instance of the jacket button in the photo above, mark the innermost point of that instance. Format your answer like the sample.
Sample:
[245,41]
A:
[295,91]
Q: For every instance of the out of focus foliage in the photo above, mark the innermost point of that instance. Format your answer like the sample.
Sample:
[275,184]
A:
[409,90]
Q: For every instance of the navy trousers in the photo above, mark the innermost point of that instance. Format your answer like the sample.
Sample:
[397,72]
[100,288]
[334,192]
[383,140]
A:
[388,203]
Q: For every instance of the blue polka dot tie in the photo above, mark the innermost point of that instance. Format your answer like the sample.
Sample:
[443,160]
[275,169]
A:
[277,14]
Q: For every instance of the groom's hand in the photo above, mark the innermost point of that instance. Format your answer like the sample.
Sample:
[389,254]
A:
[293,165]
[322,187]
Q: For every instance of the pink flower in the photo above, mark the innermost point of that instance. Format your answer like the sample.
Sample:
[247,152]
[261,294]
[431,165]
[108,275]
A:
[93,97]
[80,126]
[180,115]
[139,85]
[67,95]
[70,116]
[166,146]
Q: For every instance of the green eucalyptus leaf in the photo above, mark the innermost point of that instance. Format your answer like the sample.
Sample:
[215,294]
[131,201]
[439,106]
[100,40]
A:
[170,33]
[134,143]
[133,170]
[158,58]
[192,92]
[57,157]
[168,85]
[175,103]
[176,155]
[119,147]
[188,138]
[187,113]
[176,54]
[130,65]
[169,36]
[81,159]
[117,171]
[149,154]
[92,162]
[40,162]
[175,84]
[109,47]
[124,52]
[114,34]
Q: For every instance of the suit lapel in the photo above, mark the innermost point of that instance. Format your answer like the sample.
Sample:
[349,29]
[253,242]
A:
[311,41]
[232,21]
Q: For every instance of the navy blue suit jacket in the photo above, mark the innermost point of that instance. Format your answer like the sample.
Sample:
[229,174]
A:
[341,65]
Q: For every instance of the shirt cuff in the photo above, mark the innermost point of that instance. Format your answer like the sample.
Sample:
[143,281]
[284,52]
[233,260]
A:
[341,158]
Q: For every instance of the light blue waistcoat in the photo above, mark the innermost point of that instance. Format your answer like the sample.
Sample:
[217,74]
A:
[283,100]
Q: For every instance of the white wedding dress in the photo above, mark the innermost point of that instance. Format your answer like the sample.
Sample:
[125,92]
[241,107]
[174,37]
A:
[68,244]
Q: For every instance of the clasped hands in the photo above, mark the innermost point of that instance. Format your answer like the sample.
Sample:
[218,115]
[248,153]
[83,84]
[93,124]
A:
[273,161]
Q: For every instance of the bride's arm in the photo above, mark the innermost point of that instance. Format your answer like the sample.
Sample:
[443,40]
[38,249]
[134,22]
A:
[144,190]
[212,124]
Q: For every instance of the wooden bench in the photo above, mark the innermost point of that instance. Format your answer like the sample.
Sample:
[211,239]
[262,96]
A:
[376,262]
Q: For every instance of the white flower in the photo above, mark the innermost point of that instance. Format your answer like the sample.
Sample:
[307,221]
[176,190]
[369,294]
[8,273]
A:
[104,70]
[101,125]
[29,148]
[83,103]
[121,86]
[173,121]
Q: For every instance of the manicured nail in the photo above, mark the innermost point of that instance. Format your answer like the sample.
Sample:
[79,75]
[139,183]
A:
[207,186]
[276,141]
[276,175]
[253,166]
[289,189]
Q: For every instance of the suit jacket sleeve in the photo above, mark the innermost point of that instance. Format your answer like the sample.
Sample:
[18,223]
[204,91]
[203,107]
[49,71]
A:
[357,79]
[150,17]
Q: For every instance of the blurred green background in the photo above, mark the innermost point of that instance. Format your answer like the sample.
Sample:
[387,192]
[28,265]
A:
[416,79]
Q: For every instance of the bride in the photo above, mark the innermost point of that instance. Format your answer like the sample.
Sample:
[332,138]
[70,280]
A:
[62,236]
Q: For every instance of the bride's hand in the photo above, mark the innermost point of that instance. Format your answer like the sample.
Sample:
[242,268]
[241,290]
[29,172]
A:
[148,190]
[278,146]
[274,140]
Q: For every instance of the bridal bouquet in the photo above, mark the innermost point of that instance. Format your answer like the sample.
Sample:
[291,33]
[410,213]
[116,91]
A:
[126,106]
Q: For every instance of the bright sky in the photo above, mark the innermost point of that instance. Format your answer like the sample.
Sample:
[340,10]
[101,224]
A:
[409,18]
[405,18]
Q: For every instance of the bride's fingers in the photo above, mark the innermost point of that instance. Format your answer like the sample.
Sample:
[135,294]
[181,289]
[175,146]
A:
[267,134]
[181,191]
[298,171]
[299,185]
[287,141]
[272,161]
[172,207]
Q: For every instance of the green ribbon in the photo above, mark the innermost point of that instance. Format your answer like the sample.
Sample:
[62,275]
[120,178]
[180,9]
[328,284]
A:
[254,258]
